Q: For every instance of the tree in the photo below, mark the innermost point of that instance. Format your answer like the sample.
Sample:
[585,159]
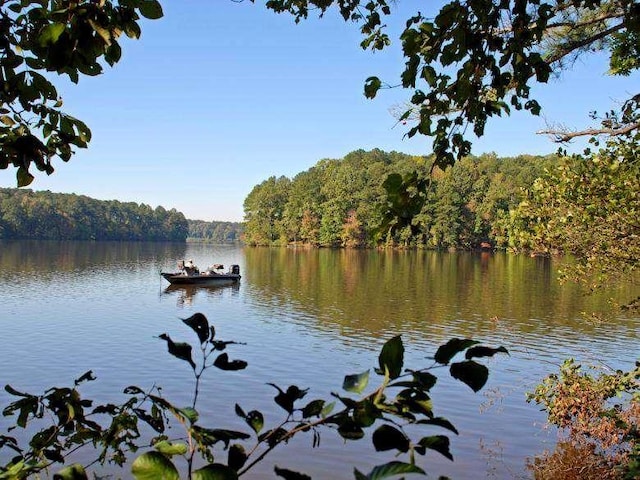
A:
[479,58]
[38,38]
[589,207]
[264,209]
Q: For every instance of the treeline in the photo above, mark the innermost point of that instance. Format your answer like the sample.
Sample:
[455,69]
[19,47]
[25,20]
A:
[354,203]
[214,232]
[57,216]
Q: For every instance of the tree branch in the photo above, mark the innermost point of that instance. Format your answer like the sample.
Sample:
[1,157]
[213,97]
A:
[571,46]
[562,137]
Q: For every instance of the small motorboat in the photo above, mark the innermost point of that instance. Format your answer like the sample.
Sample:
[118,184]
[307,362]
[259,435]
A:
[189,274]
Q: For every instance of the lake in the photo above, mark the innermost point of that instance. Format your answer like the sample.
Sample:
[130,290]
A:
[307,317]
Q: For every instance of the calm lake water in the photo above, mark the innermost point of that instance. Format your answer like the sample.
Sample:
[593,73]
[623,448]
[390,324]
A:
[308,317]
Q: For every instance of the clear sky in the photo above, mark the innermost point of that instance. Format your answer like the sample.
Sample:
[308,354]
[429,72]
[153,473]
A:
[217,96]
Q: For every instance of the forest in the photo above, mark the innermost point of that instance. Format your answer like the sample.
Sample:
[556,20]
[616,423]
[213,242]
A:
[25,214]
[214,232]
[57,216]
[361,201]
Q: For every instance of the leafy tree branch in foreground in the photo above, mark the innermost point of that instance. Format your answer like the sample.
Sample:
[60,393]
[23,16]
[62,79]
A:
[388,410]
[38,38]
[477,59]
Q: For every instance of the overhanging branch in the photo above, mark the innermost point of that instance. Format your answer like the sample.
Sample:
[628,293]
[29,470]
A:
[564,136]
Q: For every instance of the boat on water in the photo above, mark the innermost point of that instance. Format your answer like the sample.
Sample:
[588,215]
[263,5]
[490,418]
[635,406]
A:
[189,274]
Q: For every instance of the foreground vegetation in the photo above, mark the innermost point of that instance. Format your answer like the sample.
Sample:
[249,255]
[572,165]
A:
[471,61]
[398,413]
[598,412]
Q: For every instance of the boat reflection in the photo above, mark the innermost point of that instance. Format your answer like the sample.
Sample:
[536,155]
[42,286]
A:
[186,294]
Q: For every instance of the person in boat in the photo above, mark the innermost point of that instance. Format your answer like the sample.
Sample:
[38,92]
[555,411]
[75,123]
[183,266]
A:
[190,268]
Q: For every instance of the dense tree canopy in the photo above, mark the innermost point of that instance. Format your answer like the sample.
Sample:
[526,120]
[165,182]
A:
[40,37]
[214,232]
[56,216]
[372,198]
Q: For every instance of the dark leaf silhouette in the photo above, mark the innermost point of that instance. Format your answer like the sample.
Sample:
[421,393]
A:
[180,350]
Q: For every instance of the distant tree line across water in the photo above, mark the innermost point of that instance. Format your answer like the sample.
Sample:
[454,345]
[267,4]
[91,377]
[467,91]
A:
[26,214]
[367,199]
[214,232]
[353,202]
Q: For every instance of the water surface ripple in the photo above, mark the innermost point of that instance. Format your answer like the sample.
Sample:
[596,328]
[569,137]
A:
[307,317]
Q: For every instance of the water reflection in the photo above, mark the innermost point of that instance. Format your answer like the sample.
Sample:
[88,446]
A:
[308,317]
[21,257]
[185,295]
[368,294]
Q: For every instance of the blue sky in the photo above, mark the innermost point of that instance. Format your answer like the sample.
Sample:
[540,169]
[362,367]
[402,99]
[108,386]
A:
[218,96]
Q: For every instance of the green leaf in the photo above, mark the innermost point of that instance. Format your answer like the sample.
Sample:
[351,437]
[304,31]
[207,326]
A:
[273,437]
[365,413]
[154,466]
[288,398]
[350,431]
[439,422]
[481,351]
[356,383]
[439,443]
[416,401]
[387,437]
[313,408]
[426,380]
[255,420]
[211,436]
[392,357]
[290,474]
[327,409]
[199,324]
[151,9]
[421,380]
[389,470]
[215,471]
[470,373]
[371,87]
[72,472]
[24,177]
[237,456]
[50,34]
[446,352]
[169,449]
[189,413]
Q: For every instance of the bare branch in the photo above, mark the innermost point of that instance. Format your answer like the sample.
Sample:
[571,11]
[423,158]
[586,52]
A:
[560,136]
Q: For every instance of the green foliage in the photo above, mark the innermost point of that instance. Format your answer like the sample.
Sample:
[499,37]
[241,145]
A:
[264,211]
[377,198]
[214,232]
[588,207]
[67,38]
[56,216]
[401,399]
[478,59]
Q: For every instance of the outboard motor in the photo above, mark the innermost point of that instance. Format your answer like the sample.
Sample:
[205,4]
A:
[235,269]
